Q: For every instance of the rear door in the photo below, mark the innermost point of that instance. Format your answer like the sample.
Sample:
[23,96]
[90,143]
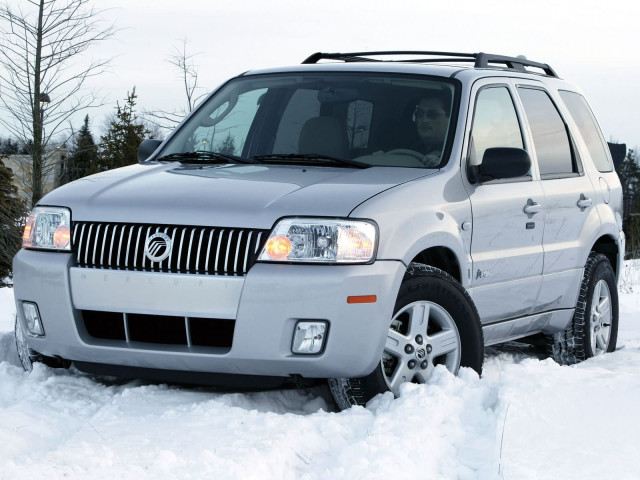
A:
[569,199]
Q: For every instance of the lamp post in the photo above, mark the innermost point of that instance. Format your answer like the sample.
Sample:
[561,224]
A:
[44,100]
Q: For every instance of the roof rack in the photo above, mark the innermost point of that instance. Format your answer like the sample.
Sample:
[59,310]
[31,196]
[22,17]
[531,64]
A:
[480,60]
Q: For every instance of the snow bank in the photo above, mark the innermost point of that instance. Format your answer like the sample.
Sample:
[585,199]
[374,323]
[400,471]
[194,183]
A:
[526,418]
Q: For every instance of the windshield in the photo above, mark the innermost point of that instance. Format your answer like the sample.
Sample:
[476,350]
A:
[343,119]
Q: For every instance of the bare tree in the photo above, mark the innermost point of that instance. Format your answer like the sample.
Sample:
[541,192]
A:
[41,82]
[188,74]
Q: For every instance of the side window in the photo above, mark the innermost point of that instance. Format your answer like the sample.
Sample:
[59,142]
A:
[550,137]
[586,122]
[495,123]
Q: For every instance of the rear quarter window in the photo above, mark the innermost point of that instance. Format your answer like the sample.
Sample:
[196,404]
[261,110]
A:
[591,134]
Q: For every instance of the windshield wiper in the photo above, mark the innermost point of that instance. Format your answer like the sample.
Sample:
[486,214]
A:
[186,157]
[308,159]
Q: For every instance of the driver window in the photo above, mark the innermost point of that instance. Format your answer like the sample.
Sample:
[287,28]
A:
[495,123]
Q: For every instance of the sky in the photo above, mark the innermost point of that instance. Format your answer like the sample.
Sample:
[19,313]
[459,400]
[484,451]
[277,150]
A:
[593,44]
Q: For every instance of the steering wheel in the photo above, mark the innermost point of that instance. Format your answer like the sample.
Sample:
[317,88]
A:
[406,151]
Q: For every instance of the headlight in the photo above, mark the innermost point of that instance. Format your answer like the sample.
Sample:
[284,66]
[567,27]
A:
[48,228]
[321,240]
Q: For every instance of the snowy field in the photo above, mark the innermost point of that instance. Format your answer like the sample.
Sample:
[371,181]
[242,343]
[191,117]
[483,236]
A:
[526,418]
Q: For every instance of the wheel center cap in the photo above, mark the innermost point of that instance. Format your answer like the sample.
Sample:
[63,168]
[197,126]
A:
[421,353]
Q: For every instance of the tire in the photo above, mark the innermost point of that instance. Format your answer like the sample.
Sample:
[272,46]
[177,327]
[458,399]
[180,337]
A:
[451,336]
[594,328]
[28,356]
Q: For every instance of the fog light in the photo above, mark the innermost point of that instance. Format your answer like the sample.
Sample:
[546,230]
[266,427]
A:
[308,337]
[32,316]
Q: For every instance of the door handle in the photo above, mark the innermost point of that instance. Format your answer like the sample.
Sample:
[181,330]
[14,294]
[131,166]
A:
[531,208]
[584,202]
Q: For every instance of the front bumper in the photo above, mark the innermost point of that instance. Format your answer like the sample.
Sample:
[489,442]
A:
[265,305]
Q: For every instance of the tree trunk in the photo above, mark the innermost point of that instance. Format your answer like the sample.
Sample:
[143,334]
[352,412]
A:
[38,118]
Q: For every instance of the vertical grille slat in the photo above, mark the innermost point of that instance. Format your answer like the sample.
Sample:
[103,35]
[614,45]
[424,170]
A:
[215,265]
[135,256]
[113,236]
[195,250]
[86,255]
[104,240]
[199,250]
[144,257]
[173,239]
[235,260]
[206,263]
[126,258]
[118,263]
[80,244]
[95,245]
[180,250]
[225,267]
[247,252]
[255,252]
[190,248]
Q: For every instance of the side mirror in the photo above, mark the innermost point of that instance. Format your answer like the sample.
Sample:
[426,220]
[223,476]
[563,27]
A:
[502,163]
[146,148]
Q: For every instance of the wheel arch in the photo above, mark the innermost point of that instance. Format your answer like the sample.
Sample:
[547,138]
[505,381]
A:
[607,246]
[442,258]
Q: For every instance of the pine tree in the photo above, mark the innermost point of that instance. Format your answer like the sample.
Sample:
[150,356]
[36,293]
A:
[228,145]
[83,159]
[629,173]
[26,148]
[8,147]
[12,210]
[126,132]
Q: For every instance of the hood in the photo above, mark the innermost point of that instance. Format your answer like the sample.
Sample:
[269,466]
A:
[244,196]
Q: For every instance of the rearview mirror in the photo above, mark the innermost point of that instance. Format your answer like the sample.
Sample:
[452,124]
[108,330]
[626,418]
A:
[501,163]
[146,148]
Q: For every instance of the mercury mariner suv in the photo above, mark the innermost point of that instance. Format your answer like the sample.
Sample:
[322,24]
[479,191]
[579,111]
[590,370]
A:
[362,217]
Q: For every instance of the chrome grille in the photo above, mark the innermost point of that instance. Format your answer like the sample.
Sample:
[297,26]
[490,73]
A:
[204,250]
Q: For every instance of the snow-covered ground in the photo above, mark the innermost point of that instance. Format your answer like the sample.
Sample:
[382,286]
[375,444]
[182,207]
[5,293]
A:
[526,418]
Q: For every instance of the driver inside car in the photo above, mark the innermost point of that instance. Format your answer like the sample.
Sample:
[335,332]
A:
[431,119]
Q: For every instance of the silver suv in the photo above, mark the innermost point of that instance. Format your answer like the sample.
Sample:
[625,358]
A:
[361,217]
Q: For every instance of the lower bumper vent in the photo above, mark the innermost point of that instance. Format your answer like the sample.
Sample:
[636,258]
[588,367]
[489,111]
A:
[135,328]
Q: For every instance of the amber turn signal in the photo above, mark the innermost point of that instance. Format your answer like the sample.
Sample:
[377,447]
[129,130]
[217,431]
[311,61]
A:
[61,236]
[362,299]
[278,247]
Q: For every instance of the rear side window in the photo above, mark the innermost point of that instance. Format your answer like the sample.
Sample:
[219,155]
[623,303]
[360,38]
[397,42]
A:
[550,137]
[586,122]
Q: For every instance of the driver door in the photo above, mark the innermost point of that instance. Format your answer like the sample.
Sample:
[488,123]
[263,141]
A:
[508,218]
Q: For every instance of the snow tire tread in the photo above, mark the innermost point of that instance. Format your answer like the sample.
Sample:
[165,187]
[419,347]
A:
[568,347]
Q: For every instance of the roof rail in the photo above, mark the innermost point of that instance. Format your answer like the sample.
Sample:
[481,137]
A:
[480,60]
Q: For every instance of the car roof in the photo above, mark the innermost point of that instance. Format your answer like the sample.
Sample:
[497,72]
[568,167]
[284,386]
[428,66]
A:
[381,67]
[456,60]
[465,67]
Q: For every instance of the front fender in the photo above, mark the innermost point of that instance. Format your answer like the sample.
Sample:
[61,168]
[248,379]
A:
[419,215]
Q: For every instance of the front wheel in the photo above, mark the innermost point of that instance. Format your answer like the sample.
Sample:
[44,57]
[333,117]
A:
[435,323]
